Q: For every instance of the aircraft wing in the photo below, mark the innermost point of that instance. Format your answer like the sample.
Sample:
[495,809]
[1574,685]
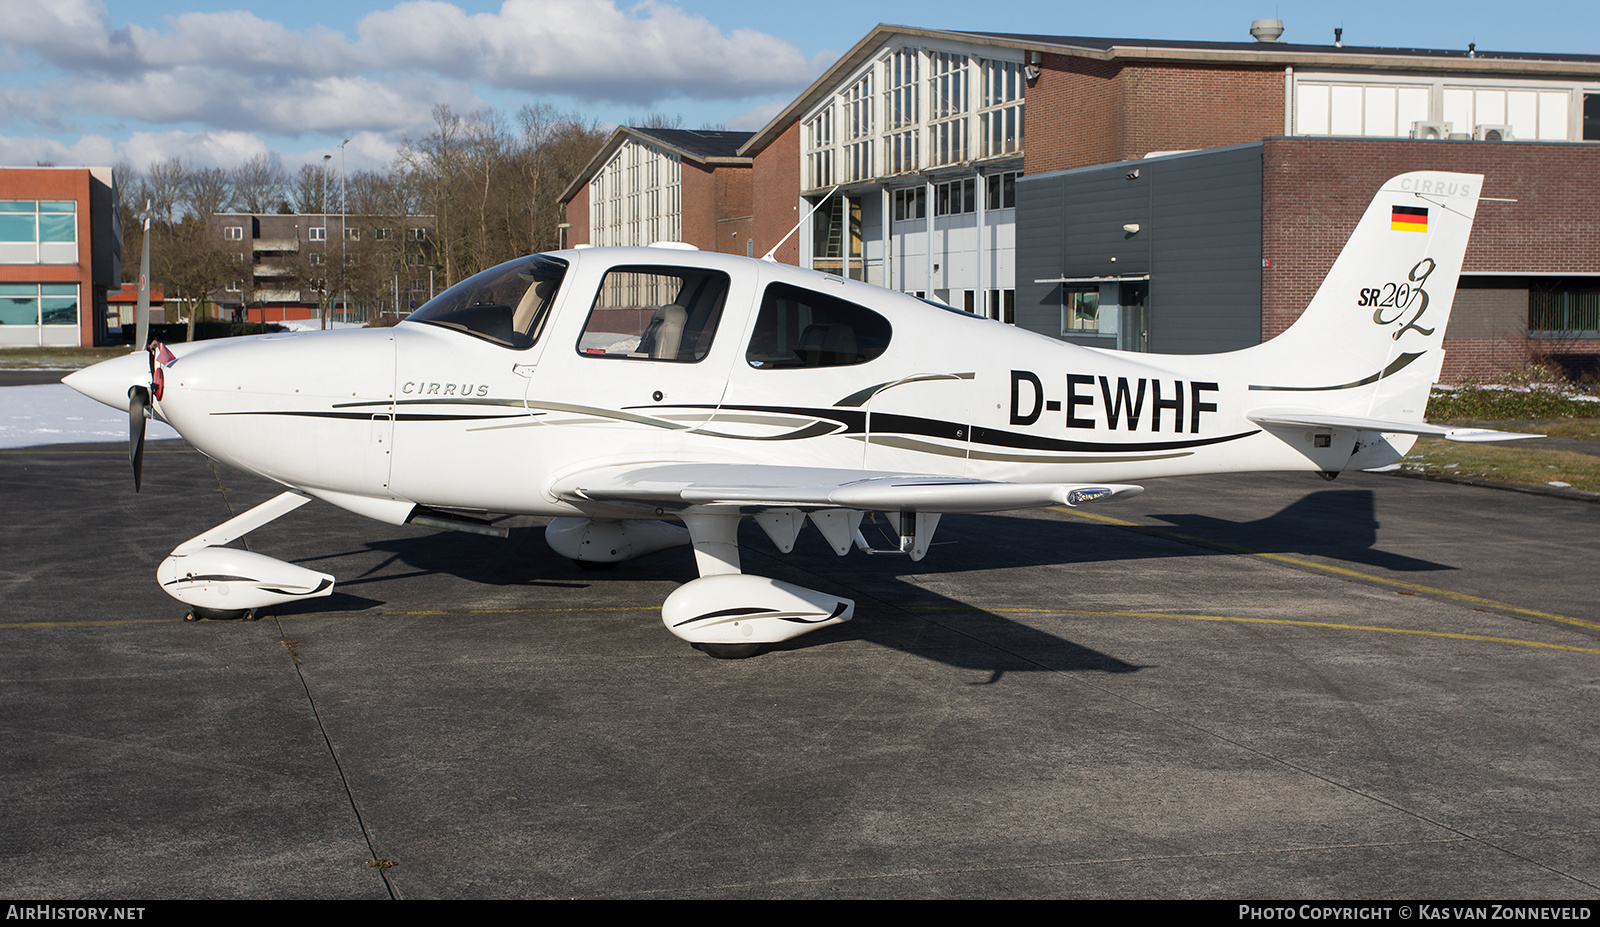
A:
[754,487]
[1312,418]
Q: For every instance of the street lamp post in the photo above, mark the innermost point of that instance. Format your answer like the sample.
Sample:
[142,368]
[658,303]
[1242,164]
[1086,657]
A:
[344,231]
[322,310]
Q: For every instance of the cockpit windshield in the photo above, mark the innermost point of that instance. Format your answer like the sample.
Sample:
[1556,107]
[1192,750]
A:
[507,304]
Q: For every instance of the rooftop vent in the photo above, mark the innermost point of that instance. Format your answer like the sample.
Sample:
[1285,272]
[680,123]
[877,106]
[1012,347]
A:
[1266,30]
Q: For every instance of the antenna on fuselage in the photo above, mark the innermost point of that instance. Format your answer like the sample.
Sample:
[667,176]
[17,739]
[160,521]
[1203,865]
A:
[769,255]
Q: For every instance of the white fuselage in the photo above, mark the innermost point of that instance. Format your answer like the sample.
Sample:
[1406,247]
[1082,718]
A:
[424,414]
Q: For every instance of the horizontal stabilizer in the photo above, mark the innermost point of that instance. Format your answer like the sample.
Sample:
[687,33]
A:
[756,486]
[1311,418]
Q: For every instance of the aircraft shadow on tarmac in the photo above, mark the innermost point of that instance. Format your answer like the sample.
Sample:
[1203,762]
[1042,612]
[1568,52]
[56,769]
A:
[1335,524]
[891,612]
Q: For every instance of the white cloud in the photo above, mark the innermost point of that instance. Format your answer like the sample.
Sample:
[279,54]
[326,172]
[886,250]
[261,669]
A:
[755,118]
[590,49]
[87,150]
[225,75]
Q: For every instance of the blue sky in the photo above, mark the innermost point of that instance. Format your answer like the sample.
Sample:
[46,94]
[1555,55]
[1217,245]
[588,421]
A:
[91,82]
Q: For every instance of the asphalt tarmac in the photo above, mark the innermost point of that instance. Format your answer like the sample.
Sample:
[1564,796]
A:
[1228,687]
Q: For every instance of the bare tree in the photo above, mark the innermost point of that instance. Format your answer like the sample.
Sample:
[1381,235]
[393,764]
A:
[207,191]
[190,258]
[555,147]
[258,184]
[315,188]
[433,165]
[166,188]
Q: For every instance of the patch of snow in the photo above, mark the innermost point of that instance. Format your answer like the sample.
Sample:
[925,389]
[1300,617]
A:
[314,325]
[52,413]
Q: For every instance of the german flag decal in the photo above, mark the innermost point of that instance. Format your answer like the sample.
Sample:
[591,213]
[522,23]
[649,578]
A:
[1409,219]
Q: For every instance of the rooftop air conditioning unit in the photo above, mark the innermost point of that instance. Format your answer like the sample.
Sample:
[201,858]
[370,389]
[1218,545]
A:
[1432,131]
[1487,133]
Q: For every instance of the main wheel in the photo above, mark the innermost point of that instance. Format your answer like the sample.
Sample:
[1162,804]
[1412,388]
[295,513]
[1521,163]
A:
[216,614]
[729,651]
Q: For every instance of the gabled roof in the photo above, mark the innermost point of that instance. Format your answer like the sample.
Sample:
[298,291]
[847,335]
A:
[1247,53]
[702,146]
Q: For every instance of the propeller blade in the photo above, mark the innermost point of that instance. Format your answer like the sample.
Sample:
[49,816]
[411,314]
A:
[138,404]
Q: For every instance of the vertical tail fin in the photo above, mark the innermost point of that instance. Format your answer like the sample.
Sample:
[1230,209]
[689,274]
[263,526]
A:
[1370,342]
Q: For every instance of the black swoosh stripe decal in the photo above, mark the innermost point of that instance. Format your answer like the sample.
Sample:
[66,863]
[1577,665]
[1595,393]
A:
[1398,364]
[367,416]
[855,423]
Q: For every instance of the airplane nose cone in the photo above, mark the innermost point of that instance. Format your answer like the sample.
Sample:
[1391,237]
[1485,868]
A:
[109,381]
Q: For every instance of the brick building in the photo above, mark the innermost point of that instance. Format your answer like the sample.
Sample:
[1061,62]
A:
[919,150]
[60,252]
[289,266]
[1228,245]
[647,185]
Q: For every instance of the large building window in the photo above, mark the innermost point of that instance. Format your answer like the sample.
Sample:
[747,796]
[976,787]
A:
[858,127]
[910,203]
[38,313]
[819,148]
[636,198]
[1002,190]
[1379,107]
[1080,312]
[955,197]
[902,111]
[1564,308]
[38,232]
[1000,120]
[947,104]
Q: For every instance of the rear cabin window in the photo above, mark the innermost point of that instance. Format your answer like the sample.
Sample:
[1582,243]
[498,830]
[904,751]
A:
[803,328]
[655,313]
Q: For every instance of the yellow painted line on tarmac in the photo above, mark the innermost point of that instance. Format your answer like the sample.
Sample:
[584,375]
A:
[1293,623]
[116,622]
[1334,570]
[1000,610]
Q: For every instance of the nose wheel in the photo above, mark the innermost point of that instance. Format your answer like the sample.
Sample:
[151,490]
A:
[729,651]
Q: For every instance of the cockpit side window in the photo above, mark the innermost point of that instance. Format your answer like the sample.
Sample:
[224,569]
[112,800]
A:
[507,304]
[804,328]
[655,313]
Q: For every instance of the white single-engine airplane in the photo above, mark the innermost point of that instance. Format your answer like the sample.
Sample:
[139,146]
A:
[613,388]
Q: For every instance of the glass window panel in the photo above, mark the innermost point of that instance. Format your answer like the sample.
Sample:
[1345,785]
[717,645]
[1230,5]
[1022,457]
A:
[60,310]
[1553,116]
[19,310]
[1490,108]
[1458,109]
[1380,109]
[1413,107]
[1311,109]
[655,313]
[16,206]
[1080,312]
[803,328]
[1345,118]
[15,228]
[58,228]
[57,206]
